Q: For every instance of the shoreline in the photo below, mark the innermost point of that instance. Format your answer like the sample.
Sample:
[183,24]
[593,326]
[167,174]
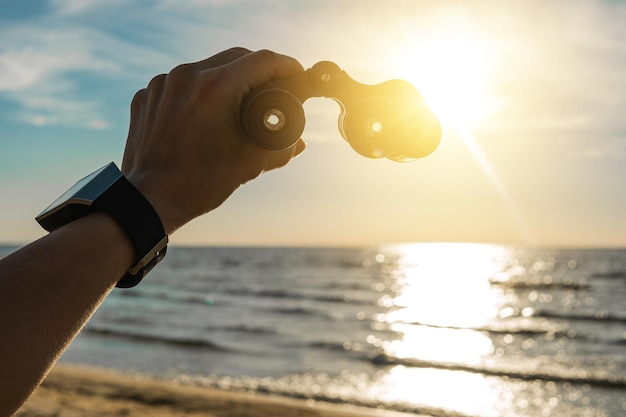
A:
[77,390]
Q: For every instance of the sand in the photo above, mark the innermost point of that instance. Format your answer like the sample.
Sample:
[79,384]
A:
[73,391]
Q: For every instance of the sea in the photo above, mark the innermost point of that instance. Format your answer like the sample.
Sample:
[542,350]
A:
[437,329]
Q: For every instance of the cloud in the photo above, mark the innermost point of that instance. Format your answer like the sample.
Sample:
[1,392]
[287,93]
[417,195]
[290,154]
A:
[51,65]
[81,8]
[36,54]
[559,64]
[36,73]
[42,107]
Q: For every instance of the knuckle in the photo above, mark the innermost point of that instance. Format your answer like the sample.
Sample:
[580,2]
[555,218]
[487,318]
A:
[238,50]
[266,54]
[156,82]
[181,72]
[138,99]
[217,80]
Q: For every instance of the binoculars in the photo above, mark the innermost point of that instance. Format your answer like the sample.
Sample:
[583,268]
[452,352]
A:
[387,120]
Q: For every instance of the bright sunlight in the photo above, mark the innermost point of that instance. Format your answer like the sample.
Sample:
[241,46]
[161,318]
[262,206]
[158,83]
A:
[452,69]
[451,72]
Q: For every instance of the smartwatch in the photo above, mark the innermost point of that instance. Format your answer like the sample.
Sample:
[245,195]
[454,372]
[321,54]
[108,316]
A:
[109,191]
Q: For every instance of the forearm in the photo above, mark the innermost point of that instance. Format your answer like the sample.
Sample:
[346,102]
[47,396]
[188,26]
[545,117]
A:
[186,155]
[48,290]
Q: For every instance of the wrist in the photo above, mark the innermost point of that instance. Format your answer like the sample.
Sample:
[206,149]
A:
[160,199]
[107,190]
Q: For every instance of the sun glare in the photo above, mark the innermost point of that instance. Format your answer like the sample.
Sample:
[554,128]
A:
[444,299]
[451,72]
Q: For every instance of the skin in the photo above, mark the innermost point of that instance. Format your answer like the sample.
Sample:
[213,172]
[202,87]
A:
[187,154]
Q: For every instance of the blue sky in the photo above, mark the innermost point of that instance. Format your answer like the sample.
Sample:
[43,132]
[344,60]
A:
[532,95]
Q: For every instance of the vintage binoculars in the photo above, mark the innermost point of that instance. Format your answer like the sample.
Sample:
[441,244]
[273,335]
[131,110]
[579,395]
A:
[387,120]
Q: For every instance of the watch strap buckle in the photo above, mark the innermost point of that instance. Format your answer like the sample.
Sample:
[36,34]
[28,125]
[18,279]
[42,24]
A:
[136,273]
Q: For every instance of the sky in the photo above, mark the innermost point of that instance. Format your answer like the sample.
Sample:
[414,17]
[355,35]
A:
[531,95]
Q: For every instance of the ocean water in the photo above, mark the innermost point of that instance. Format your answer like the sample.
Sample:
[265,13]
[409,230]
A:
[435,329]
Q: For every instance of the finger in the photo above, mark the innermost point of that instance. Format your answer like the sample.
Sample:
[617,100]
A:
[155,89]
[137,114]
[256,68]
[282,158]
[299,148]
[222,58]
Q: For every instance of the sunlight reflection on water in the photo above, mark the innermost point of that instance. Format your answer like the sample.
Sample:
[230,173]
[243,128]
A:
[446,285]
[443,292]
[462,330]
[471,394]
[469,338]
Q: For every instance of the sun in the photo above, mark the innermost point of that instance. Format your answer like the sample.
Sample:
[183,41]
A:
[451,71]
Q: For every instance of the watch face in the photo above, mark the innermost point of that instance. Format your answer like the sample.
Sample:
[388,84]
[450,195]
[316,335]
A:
[68,206]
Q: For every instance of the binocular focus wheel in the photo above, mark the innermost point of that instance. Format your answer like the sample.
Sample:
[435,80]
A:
[273,118]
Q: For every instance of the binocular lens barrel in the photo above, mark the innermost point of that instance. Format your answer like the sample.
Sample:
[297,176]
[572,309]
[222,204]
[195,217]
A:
[273,118]
[387,120]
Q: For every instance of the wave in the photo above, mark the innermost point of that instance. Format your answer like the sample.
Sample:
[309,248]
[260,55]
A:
[519,284]
[154,338]
[620,341]
[520,331]
[327,346]
[570,376]
[609,275]
[358,351]
[600,316]
[173,296]
[348,286]
[597,316]
[298,311]
[243,329]
[291,387]
[293,295]
[210,299]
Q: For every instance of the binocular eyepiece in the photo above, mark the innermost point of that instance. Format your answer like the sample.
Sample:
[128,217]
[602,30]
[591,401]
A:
[387,120]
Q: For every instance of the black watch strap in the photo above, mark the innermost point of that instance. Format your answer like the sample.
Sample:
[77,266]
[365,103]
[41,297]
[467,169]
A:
[128,206]
[109,191]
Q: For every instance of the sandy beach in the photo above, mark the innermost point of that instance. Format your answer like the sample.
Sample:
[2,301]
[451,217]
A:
[73,391]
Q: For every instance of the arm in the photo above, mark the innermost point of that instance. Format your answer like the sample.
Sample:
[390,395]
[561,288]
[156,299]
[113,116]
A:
[186,153]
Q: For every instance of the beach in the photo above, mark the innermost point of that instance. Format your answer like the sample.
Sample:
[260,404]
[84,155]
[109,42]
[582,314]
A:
[469,330]
[71,390]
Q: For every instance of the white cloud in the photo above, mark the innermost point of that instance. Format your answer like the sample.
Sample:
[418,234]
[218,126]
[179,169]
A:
[41,58]
[78,7]
[39,64]
[38,84]
[560,66]
[18,70]
[42,54]
[568,53]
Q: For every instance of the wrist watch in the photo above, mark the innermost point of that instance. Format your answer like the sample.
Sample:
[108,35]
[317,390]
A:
[109,191]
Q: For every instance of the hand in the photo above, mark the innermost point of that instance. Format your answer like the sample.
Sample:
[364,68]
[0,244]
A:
[186,151]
